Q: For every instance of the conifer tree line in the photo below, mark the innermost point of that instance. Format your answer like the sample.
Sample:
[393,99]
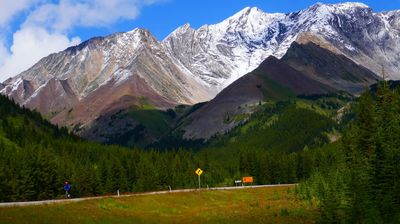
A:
[363,185]
[37,157]
[355,180]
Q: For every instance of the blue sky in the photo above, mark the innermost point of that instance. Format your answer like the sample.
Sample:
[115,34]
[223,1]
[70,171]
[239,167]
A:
[177,12]
[32,29]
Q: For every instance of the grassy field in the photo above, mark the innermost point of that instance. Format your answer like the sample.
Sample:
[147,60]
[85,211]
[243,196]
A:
[257,205]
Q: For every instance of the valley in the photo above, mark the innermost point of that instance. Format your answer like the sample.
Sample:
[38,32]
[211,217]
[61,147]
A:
[306,101]
[323,43]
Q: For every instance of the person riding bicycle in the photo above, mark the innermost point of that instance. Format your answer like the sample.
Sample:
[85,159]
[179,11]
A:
[67,188]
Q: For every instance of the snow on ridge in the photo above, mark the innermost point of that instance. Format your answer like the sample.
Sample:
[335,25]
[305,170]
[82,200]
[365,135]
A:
[242,41]
[133,31]
[178,31]
[37,91]
[216,55]
[350,5]
[343,6]
[16,85]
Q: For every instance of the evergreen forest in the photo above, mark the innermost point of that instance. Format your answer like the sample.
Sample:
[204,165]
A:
[348,162]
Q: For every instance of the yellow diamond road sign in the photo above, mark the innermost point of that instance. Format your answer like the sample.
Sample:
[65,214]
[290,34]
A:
[198,171]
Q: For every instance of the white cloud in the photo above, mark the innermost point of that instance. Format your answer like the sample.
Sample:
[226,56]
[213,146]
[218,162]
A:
[47,25]
[29,46]
[9,8]
[67,14]
[87,13]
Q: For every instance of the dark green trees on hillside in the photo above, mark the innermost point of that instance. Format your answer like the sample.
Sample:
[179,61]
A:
[364,186]
[37,157]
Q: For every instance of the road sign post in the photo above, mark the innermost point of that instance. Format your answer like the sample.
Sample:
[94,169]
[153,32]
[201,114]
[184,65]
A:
[199,172]
[199,182]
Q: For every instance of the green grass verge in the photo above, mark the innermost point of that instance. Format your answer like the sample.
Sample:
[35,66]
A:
[257,205]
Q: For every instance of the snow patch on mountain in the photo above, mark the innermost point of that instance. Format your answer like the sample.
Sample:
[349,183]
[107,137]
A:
[221,53]
[193,65]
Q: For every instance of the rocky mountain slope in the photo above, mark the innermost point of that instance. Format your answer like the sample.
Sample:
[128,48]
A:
[221,53]
[272,80]
[108,74]
[319,60]
[103,75]
[308,68]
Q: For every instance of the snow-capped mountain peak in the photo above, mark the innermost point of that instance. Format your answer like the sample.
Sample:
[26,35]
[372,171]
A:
[185,28]
[239,43]
[250,20]
[247,12]
[324,12]
[193,65]
[339,7]
[349,5]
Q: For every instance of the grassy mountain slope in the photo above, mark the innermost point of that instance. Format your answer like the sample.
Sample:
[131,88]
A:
[287,126]
[310,67]
[272,80]
[275,125]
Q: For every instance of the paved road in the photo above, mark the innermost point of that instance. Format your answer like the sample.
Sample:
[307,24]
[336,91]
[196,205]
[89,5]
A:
[31,203]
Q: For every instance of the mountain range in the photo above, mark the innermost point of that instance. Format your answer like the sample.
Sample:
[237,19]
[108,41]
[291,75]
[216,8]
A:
[245,60]
[306,69]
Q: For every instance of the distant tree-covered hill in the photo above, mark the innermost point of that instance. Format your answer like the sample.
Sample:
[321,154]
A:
[37,157]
